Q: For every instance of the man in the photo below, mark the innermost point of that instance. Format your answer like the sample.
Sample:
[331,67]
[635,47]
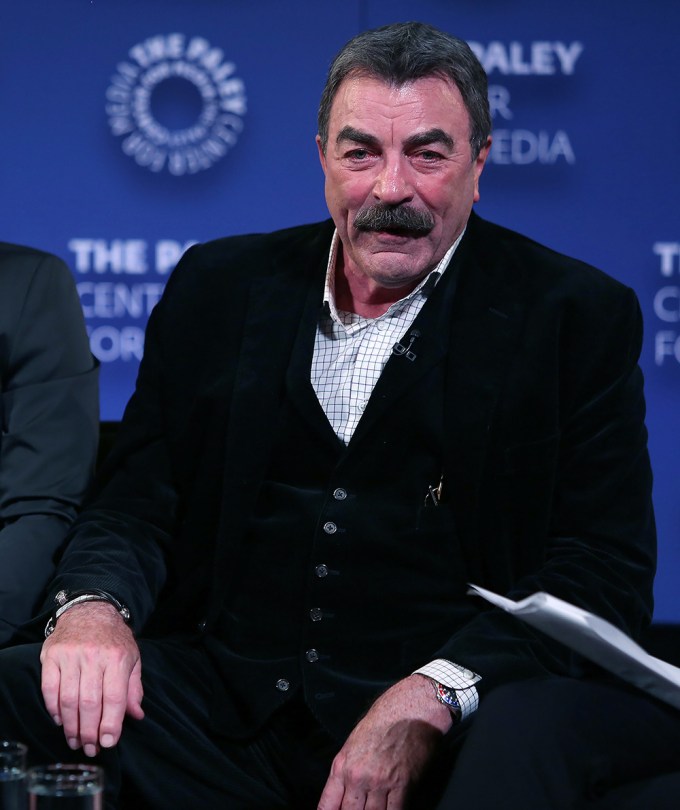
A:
[49,410]
[336,427]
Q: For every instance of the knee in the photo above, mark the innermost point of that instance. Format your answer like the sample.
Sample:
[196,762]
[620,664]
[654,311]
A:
[537,713]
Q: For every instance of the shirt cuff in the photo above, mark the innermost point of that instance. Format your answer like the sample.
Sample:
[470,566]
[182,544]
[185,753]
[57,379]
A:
[461,680]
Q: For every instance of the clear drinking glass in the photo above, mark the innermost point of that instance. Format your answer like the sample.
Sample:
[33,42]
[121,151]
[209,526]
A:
[12,775]
[64,786]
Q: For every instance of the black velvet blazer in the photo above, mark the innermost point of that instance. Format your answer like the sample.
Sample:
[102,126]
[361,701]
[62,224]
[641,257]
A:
[545,459]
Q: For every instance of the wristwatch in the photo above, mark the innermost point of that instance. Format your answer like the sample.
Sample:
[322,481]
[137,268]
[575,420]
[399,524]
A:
[447,697]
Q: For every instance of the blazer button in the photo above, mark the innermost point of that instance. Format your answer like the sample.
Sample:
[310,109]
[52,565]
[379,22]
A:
[330,527]
[321,570]
[312,656]
[283,685]
[340,494]
[316,614]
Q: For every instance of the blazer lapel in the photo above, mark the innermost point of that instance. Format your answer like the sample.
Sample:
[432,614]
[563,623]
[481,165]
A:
[487,317]
[403,371]
[276,305]
[298,379]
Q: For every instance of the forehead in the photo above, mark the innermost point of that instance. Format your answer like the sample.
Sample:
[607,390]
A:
[420,104]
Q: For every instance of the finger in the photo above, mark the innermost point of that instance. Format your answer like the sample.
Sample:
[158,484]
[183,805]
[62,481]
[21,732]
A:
[114,702]
[396,800]
[333,792]
[49,684]
[356,800]
[135,693]
[376,801]
[90,709]
[69,706]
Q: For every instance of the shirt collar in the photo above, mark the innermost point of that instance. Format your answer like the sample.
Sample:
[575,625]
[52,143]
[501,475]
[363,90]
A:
[425,286]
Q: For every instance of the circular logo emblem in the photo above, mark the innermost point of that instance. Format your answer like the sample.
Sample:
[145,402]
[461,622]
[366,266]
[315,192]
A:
[176,103]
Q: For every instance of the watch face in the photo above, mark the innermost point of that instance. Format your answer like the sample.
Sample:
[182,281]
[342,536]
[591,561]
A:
[448,697]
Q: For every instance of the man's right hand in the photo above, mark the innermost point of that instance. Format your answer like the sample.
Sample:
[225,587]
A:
[91,676]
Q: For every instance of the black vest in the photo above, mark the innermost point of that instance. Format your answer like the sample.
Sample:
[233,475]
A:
[350,577]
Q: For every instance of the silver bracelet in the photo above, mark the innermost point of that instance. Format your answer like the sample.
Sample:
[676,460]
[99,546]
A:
[66,602]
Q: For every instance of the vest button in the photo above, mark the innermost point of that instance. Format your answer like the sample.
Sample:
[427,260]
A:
[330,527]
[312,656]
[316,614]
[282,685]
[339,494]
[321,570]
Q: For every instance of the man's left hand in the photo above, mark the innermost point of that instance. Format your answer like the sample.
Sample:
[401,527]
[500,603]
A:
[388,750]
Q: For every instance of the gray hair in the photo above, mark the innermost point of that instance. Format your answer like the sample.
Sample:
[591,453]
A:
[403,52]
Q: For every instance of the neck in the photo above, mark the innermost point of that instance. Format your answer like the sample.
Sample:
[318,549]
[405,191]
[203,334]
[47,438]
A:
[363,296]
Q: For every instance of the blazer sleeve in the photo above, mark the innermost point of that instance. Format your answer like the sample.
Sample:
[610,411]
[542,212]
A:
[593,497]
[152,527]
[49,409]
[122,542]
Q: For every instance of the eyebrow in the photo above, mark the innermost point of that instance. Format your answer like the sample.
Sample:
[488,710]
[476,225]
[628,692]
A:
[349,133]
[430,136]
[434,135]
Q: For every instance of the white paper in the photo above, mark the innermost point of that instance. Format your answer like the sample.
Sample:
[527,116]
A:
[595,639]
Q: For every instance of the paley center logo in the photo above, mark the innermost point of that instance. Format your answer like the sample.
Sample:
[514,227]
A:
[547,60]
[176,104]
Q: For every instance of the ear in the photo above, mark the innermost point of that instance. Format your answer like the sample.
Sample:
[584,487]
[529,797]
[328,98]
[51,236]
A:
[322,156]
[480,161]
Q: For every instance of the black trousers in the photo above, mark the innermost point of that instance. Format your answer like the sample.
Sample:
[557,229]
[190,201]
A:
[561,744]
[173,758]
[535,745]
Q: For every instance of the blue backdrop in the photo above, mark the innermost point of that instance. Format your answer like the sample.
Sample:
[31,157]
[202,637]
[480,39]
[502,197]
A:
[132,128]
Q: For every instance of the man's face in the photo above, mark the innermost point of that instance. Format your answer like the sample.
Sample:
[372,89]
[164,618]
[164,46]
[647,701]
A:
[407,151]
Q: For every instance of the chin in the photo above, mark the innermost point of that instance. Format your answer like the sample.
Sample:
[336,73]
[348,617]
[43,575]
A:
[398,276]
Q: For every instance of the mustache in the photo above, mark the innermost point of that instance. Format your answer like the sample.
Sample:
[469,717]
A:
[381,217]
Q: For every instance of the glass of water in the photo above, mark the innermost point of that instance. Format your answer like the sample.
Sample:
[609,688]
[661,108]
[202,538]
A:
[12,775]
[65,786]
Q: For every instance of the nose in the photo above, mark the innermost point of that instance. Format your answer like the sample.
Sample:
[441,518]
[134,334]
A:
[392,185]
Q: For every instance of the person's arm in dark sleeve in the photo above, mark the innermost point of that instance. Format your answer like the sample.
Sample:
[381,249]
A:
[50,423]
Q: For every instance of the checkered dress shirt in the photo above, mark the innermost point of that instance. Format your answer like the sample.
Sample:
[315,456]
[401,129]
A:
[350,352]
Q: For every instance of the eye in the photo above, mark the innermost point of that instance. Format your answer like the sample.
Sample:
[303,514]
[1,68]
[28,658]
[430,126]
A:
[359,158]
[358,154]
[429,155]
